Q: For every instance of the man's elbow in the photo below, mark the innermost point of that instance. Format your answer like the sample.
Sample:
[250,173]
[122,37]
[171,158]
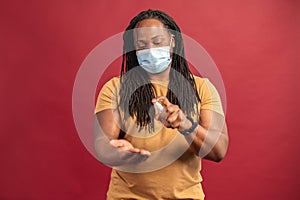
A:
[218,151]
[221,150]
[219,157]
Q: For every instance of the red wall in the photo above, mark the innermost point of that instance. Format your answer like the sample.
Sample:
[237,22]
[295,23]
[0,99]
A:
[43,43]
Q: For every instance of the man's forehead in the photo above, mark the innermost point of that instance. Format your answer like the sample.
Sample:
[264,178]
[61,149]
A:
[149,32]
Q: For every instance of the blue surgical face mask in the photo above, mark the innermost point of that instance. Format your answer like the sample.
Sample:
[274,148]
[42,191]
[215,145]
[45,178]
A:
[154,60]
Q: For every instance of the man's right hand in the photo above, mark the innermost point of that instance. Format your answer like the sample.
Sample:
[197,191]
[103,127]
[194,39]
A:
[128,153]
[110,150]
[124,145]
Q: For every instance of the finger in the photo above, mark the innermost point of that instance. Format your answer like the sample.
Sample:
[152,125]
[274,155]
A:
[145,152]
[174,116]
[156,99]
[140,151]
[174,121]
[162,100]
[130,149]
[133,154]
[172,113]
[172,109]
[162,117]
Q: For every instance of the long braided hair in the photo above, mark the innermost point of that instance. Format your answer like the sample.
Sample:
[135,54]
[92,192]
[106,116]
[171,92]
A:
[136,90]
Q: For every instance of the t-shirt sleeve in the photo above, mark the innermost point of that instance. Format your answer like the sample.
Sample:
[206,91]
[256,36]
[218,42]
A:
[210,98]
[107,98]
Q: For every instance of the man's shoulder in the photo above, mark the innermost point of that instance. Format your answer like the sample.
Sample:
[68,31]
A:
[114,81]
[199,80]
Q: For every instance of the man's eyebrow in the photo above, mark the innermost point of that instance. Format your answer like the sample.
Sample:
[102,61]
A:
[154,37]
[143,41]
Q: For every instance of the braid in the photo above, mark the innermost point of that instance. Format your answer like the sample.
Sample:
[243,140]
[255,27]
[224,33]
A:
[136,91]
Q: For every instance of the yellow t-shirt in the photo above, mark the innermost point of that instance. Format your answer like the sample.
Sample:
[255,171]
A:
[173,170]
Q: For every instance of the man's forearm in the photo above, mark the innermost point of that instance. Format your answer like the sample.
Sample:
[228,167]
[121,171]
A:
[209,144]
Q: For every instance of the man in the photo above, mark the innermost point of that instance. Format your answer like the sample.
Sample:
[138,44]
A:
[156,152]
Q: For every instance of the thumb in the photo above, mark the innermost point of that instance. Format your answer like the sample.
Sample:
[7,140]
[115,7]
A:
[116,143]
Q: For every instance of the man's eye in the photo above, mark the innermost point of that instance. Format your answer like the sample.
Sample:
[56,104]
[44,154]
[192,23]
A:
[139,47]
[140,44]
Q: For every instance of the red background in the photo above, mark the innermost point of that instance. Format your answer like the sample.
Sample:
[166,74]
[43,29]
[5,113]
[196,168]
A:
[43,43]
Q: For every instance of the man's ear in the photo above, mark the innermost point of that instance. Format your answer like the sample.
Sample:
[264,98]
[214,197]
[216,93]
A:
[173,41]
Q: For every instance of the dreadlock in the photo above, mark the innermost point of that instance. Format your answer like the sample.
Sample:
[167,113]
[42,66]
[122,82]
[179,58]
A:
[136,91]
